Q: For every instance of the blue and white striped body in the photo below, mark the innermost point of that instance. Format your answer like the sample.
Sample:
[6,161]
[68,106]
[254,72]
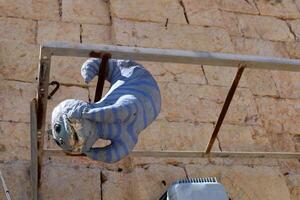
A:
[131,104]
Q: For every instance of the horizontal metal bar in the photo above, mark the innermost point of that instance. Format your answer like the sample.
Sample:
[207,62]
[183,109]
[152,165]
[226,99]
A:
[197,154]
[172,55]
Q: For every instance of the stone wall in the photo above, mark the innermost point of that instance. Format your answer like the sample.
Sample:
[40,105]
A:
[264,114]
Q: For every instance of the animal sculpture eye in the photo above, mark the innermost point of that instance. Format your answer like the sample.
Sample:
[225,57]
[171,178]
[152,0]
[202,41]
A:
[57,128]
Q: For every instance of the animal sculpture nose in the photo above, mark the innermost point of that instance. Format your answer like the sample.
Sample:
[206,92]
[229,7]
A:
[59,142]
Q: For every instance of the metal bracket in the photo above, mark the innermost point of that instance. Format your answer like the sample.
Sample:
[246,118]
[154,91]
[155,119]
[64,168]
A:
[39,106]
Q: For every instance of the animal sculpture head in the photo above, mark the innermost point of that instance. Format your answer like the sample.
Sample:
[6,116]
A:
[69,133]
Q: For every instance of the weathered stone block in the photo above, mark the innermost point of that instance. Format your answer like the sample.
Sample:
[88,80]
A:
[243,138]
[149,182]
[163,135]
[24,92]
[239,6]
[259,47]
[272,113]
[159,71]
[85,162]
[67,69]
[17,109]
[153,11]
[269,28]
[288,83]
[279,115]
[230,23]
[175,161]
[293,49]
[15,98]
[281,141]
[52,31]
[293,182]
[88,11]
[15,141]
[190,102]
[295,27]
[295,193]
[98,34]
[283,9]
[70,182]
[185,73]
[17,179]
[243,108]
[291,166]
[293,113]
[261,82]
[18,61]
[204,104]
[242,182]
[20,30]
[37,9]
[222,76]
[174,36]
[201,13]
[296,140]
[174,72]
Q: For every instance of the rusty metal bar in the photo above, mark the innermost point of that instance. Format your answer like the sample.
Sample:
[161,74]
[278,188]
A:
[103,70]
[197,154]
[5,188]
[225,107]
[34,149]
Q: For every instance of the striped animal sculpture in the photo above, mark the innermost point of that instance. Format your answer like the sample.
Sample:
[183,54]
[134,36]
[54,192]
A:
[131,104]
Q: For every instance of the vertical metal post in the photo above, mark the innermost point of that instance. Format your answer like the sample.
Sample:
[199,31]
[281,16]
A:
[42,98]
[34,150]
[225,108]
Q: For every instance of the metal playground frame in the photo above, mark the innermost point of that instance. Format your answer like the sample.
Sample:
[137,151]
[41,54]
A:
[38,106]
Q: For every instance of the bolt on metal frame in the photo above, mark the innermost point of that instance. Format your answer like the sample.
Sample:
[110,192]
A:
[38,106]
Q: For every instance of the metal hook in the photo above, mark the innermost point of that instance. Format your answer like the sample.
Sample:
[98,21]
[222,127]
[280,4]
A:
[55,89]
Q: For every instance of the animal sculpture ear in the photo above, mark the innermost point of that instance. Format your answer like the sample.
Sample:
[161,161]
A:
[90,69]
